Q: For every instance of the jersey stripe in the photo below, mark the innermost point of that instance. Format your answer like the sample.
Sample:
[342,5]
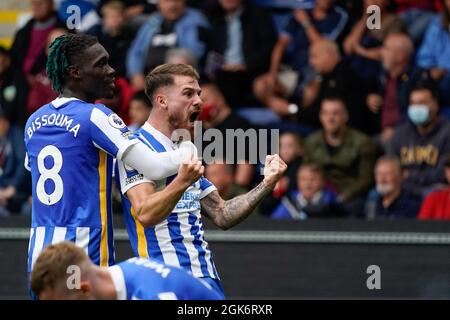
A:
[38,244]
[165,244]
[82,238]
[103,209]
[59,234]
[198,245]
[142,240]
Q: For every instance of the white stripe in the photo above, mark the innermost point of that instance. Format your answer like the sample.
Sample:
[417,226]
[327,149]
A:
[188,238]
[207,191]
[25,163]
[59,234]
[119,282]
[31,238]
[58,102]
[82,238]
[164,241]
[208,259]
[114,135]
[38,244]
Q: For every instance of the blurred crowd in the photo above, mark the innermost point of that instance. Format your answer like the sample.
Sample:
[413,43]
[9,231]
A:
[363,112]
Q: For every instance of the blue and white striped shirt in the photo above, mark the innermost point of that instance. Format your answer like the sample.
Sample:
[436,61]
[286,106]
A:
[179,239]
[70,148]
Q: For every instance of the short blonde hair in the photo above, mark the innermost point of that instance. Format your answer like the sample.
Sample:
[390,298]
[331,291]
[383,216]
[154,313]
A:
[162,76]
[51,266]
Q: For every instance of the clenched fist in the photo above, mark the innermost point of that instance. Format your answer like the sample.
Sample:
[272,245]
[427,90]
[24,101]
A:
[191,169]
[273,169]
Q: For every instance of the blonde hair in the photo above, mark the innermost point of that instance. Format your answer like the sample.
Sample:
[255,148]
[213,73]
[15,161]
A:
[51,266]
[162,76]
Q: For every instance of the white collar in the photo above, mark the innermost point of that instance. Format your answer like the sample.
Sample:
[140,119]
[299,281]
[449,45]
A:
[58,102]
[119,282]
[161,137]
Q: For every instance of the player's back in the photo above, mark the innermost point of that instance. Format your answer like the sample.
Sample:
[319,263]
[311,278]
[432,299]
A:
[71,179]
[150,279]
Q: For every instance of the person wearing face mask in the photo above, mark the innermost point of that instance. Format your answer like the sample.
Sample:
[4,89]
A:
[388,200]
[422,142]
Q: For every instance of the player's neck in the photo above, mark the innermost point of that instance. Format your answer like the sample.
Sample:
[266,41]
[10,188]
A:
[108,289]
[69,93]
[161,126]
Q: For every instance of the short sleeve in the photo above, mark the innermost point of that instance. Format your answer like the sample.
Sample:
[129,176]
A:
[206,187]
[128,177]
[26,163]
[109,132]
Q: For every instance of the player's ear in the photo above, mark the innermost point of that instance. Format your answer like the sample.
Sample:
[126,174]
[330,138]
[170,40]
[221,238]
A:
[85,287]
[161,100]
[74,72]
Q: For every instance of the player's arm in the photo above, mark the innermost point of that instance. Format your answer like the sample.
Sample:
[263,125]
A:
[109,133]
[226,214]
[151,206]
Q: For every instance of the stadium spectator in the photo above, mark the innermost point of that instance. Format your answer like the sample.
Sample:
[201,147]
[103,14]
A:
[390,98]
[364,44]
[113,34]
[335,78]
[435,52]
[241,40]
[346,155]
[15,185]
[277,88]
[174,25]
[312,199]
[389,200]
[217,114]
[8,85]
[221,175]
[28,45]
[422,142]
[437,204]
[416,14]
[180,55]
[139,110]
[40,87]
[291,152]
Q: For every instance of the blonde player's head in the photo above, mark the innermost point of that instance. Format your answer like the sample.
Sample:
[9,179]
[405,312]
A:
[62,272]
[174,92]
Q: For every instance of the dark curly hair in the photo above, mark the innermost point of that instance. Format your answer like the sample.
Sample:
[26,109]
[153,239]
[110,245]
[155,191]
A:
[63,50]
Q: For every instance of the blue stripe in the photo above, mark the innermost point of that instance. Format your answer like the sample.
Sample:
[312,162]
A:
[152,140]
[94,245]
[177,241]
[210,252]
[71,234]
[30,253]
[153,249]
[197,242]
[48,237]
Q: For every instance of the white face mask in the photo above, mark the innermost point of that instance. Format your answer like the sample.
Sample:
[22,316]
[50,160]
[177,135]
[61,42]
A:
[384,189]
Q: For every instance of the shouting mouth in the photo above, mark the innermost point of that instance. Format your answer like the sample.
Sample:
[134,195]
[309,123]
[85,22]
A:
[194,117]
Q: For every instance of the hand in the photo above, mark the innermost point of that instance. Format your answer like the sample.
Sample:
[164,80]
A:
[273,170]
[387,135]
[231,67]
[374,102]
[138,82]
[191,169]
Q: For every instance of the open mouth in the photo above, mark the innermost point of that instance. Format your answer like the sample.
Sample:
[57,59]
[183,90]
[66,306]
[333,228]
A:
[194,116]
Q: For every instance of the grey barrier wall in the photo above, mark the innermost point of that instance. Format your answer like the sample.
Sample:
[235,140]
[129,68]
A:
[267,259]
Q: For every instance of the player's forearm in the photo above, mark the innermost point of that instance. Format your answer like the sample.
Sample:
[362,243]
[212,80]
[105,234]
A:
[153,165]
[159,205]
[227,214]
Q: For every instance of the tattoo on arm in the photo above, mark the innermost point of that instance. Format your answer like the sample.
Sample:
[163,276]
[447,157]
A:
[227,214]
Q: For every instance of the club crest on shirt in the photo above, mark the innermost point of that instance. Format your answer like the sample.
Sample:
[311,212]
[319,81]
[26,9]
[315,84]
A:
[115,121]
